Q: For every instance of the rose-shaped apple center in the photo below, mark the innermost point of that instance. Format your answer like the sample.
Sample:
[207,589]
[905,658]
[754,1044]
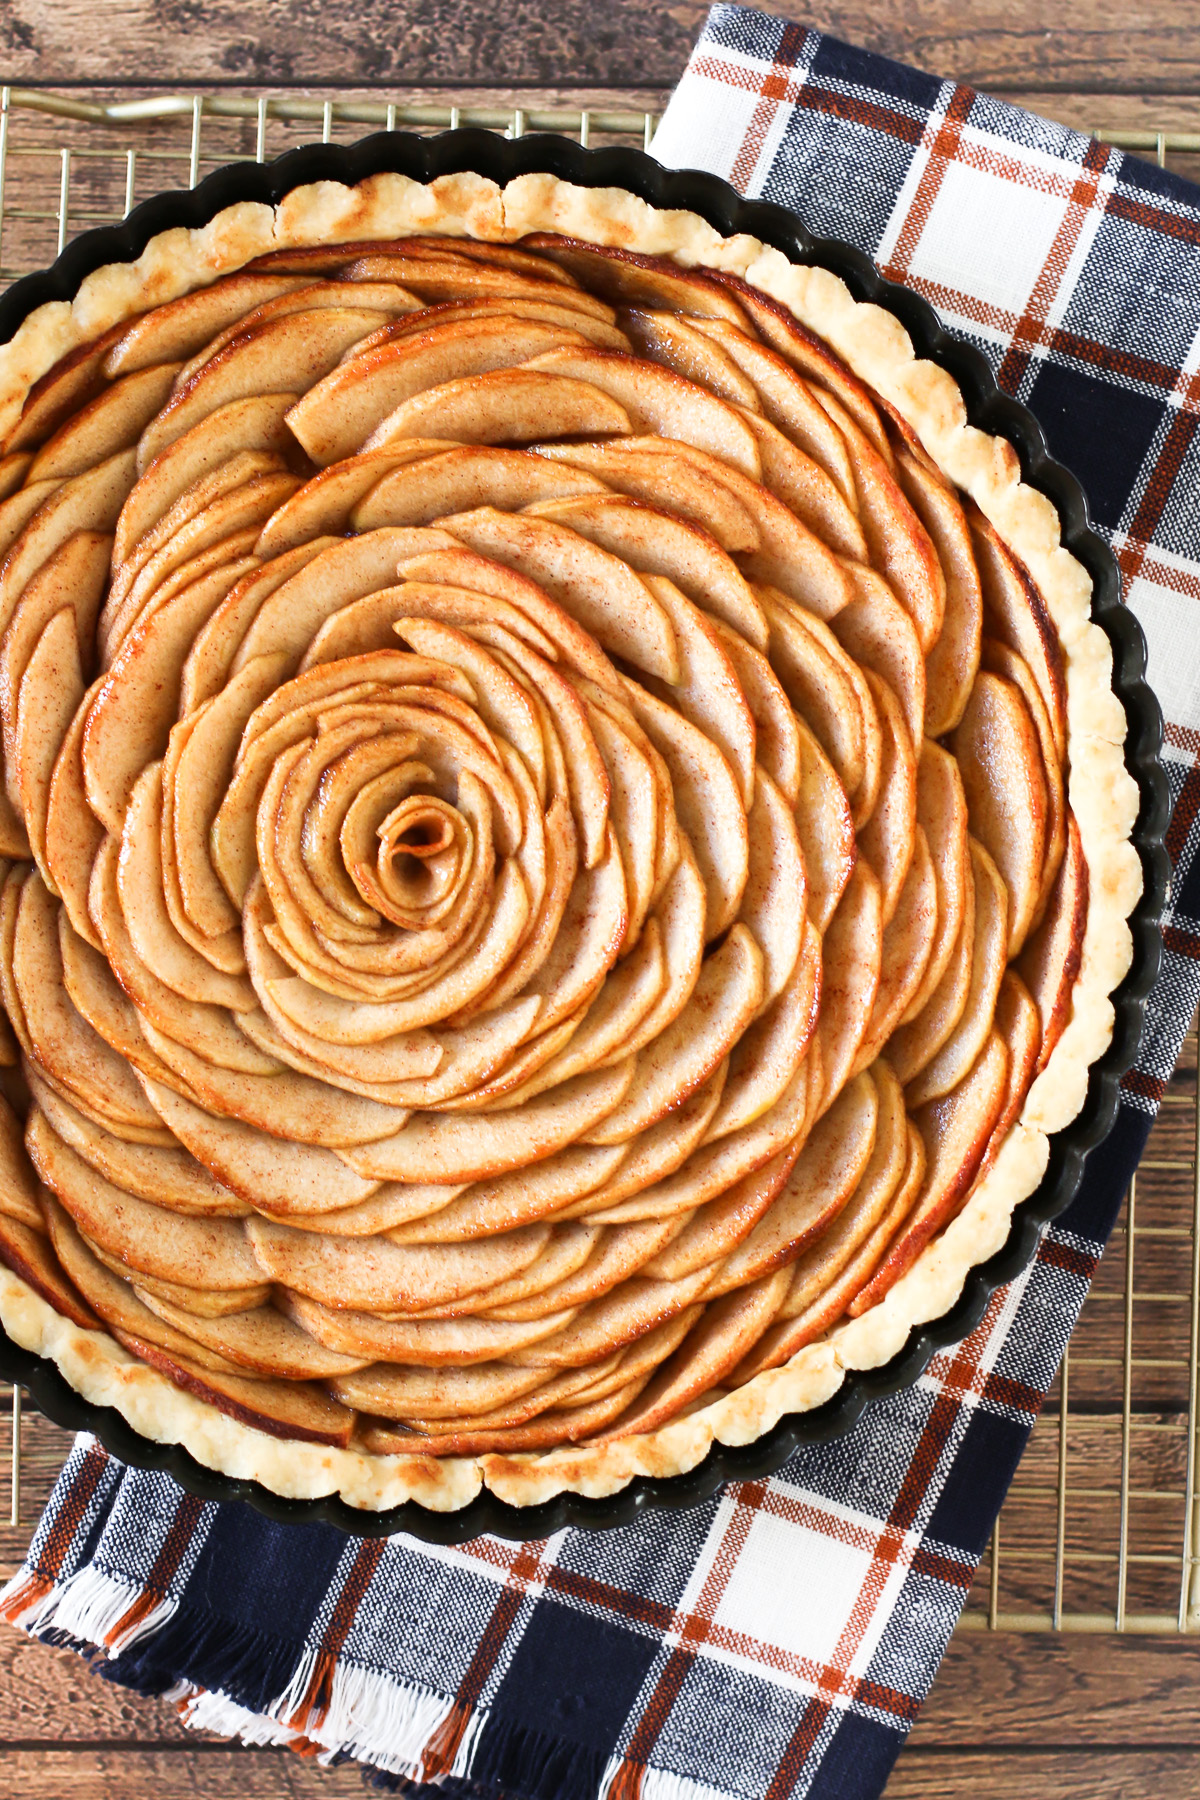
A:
[408,855]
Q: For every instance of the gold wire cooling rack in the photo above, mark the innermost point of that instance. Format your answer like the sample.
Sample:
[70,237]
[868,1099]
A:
[1101,1529]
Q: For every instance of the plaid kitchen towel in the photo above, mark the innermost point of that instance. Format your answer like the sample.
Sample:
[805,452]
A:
[779,1639]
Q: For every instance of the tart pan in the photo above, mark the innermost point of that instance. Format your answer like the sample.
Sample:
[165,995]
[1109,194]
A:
[423,159]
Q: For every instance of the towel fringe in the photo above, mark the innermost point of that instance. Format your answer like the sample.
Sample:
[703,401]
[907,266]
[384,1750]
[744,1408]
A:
[622,1778]
[369,1715]
[89,1607]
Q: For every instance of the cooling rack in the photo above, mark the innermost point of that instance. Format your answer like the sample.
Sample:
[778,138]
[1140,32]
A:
[1101,1531]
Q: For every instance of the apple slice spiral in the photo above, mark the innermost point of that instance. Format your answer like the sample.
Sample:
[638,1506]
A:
[537,868]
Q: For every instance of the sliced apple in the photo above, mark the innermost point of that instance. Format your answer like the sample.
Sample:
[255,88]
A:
[1051,959]
[997,750]
[966,1041]
[954,659]
[852,957]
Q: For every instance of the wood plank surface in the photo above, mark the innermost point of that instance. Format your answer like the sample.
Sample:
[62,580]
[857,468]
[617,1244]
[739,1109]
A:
[1077,46]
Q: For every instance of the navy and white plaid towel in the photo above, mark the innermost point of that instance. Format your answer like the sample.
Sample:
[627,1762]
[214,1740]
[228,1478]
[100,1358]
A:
[779,1639]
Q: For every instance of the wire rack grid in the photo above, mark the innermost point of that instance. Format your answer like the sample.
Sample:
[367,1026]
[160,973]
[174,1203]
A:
[1101,1530]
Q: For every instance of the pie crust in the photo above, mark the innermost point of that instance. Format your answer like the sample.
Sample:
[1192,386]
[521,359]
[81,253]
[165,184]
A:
[927,406]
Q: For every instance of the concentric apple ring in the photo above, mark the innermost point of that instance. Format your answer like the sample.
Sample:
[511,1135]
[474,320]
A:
[540,872]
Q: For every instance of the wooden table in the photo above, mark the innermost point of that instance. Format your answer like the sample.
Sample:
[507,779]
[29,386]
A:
[1047,1716]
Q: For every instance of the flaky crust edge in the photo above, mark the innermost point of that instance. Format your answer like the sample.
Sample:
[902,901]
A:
[1102,793]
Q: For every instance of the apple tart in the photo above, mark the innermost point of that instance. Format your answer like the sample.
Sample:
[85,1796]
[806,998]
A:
[565,835]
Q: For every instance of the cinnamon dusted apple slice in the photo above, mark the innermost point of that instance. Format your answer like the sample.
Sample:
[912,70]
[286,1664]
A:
[915,1043]
[441,279]
[110,1296]
[448,1147]
[339,414]
[179,328]
[260,1341]
[668,338]
[268,1172]
[426,1343]
[774,901]
[73,832]
[549,1429]
[777,734]
[650,540]
[652,1156]
[614,1321]
[13,470]
[507,406]
[60,1039]
[672,483]
[712,1168]
[463,477]
[716,1345]
[798,481]
[113,421]
[567,311]
[395,1203]
[942,815]
[1015,612]
[852,958]
[203,1253]
[594,587]
[50,692]
[1018,1026]
[167,1176]
[282,356]
[325,502]
[520,1198]
[908,941]
[998,659]
[708,805]
[827,1278]
[987,962]
[707,691]
[18,1187]
[621,1251]
[552,1394]
[87,502]
[375,1274]
[820,688]
[955,1131]
[28,1254]
[954,658]
[825,1175]
[629,280]
[770,1051]
[683,1056]
[1052,957]
[74,576]
[394,1392]
[213,1303]
[569,1248]
[996,748]
[717,1228]
[285,1409]
[485,574]
[658,403]
[251,426]
[886,838]
[878,634]
[17,511]
[383,297]
[65,387]
[825,826]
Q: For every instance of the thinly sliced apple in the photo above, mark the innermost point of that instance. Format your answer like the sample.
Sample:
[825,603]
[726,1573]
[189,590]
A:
[520,1198]
[181,327]
[886,839]
[68,385]
[955,1131]
[266,1171]
[507,406]
[998,659]
[261,1341]
[1014,612]
[953,660]
[825,826]
[394,1392]
[1051,959]
[727,1331]
[621,1252]
[73,832]
[614,1321]
[997,751]
[284,1409]
[425,1343]
[202,1253]
[13,470]
[654,541]
[672,483]
[50,692]
[820,688]
[851,964]
[716,1229]
[339,414]
[383,297]
[113,421]
[908,941]
[28,1254]
[799,483]
[656,402]
[768,1055]
[545,1432]
[877,632]
[668,338]
[631,280]
[596,588]
[375,1274]
[18,1188]
[459,479]
[651,1157]
[942,816]
[284,356]
[74,576]
[965,1042]
[253,425]
[87,502]
[447,1147]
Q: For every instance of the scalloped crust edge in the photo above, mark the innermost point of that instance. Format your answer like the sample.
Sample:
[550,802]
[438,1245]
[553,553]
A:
[1103,794]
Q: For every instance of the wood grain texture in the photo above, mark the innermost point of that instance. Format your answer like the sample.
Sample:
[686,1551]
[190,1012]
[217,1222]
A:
[192,1773]
[1080,46]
